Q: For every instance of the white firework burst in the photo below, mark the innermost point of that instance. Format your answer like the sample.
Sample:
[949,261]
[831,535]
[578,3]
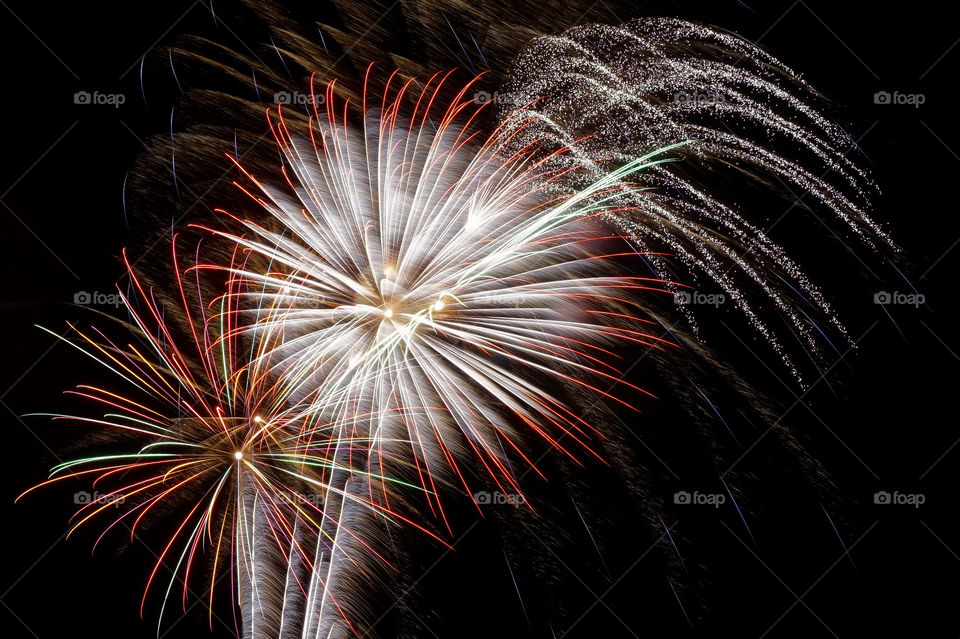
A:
[416,267]
[610,93]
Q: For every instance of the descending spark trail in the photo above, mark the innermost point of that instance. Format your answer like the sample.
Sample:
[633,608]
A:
[222,454]
[406,318]
[416,294]
[417,265]
[611,93]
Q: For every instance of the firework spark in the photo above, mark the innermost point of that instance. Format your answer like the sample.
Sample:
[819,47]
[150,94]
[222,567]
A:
[610,93]
[417,264]
[416,292]
[224,457]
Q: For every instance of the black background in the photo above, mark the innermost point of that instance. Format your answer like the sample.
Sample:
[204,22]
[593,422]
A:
[886,419]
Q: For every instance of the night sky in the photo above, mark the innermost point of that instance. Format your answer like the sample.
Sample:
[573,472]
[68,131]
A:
[882,419]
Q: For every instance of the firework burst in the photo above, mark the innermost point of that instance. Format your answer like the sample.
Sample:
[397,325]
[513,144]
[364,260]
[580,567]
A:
[418,265]
[416,293]
[611,93]
[223,456]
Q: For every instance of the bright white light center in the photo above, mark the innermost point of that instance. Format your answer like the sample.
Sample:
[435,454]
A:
[238,455]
